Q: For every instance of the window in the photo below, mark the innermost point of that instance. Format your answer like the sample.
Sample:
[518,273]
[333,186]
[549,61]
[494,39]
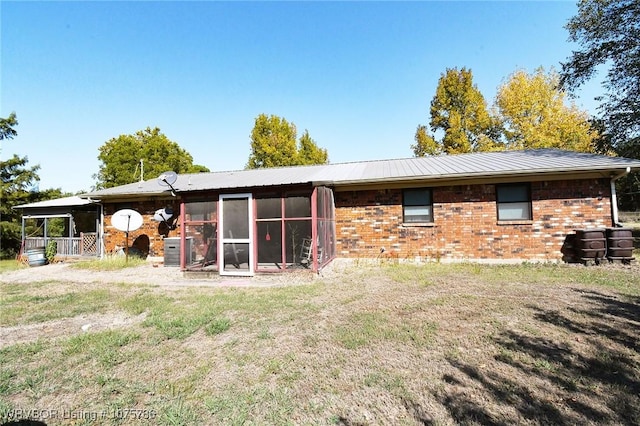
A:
[514,201]
[417,206]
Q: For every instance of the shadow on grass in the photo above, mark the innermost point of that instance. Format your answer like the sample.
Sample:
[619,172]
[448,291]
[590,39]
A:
[589,375]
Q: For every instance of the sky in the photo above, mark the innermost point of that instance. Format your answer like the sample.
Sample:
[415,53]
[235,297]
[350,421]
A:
[359,76]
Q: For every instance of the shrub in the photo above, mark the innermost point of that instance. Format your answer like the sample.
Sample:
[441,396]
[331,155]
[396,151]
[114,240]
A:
[51,250]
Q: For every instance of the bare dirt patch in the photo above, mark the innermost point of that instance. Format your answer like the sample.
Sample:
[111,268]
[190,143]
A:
[66,327]
[151,274]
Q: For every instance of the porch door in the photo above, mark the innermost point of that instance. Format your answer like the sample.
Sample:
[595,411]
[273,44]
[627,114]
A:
[236,235]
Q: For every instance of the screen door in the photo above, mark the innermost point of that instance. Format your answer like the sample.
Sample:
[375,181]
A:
[236,237]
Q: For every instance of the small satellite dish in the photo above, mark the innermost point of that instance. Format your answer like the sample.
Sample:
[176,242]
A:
[162,215]
[126,220]
[168,179]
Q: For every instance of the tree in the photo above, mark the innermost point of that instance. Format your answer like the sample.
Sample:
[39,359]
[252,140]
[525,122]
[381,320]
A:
[608,35]
[425,143]
[309,152]
[17,186]
[16,180]
[533,112]
[7,125]
[13,180]
[628,187]
[273,144]
[459,110]
[121,158]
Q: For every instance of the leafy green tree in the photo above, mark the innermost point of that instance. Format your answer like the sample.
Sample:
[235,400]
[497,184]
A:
[602,144]
[608,35]
[7,125]
[309,152]
[458,111]
[274,144]
[17,182]
[534,114]
[14,179]
[17,186]
[120,158]
[628,187]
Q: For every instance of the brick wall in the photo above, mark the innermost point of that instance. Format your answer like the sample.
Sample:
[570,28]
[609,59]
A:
[465,222]
[154,231]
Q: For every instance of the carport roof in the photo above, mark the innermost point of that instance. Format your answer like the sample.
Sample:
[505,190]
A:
[425,169]
[72,201]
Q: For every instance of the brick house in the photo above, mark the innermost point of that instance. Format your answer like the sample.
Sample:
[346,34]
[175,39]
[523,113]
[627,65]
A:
[508,206]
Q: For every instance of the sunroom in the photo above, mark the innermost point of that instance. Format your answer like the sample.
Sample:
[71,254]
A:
[261,231]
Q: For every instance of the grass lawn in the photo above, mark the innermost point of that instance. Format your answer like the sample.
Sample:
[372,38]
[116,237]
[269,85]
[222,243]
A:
[391,344]
[7,265]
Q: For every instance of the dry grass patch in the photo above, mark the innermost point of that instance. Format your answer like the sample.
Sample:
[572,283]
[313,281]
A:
[391,344]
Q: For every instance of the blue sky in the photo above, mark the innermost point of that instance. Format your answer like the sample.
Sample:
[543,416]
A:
[359,76]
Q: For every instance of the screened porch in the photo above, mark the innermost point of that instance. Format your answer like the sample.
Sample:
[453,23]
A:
[275,231]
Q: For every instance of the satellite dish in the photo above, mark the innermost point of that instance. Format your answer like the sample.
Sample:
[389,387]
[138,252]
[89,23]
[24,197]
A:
[168,179]
[126,220]
[162,215]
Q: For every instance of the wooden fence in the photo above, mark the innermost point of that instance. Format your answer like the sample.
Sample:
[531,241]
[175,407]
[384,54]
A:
[84,245]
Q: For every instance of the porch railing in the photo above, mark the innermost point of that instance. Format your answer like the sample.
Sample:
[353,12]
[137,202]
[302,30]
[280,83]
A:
[84,245]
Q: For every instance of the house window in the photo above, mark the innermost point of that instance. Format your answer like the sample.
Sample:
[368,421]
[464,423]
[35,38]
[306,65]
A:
[417,206]
[514,201]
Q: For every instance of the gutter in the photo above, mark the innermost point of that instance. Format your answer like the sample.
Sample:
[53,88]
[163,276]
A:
[489,174]
[614,196]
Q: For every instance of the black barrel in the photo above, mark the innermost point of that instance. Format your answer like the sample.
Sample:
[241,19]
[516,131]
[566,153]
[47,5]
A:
[620,244]
[592,244]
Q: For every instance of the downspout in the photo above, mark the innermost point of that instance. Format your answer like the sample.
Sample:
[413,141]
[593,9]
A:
[614,196]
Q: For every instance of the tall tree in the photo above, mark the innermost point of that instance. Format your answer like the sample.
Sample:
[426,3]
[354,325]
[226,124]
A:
[458,111]
[7,125]
[17,186]
[534,114]
[309,152]
[425,144]
[608,35]
[121,158]
[14,180]
[274,144]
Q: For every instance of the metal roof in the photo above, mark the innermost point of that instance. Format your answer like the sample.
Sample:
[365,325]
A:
[436,168]
[72,201]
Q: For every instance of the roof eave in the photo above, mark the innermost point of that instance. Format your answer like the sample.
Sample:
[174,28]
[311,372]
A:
[606,171]
[128,195]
